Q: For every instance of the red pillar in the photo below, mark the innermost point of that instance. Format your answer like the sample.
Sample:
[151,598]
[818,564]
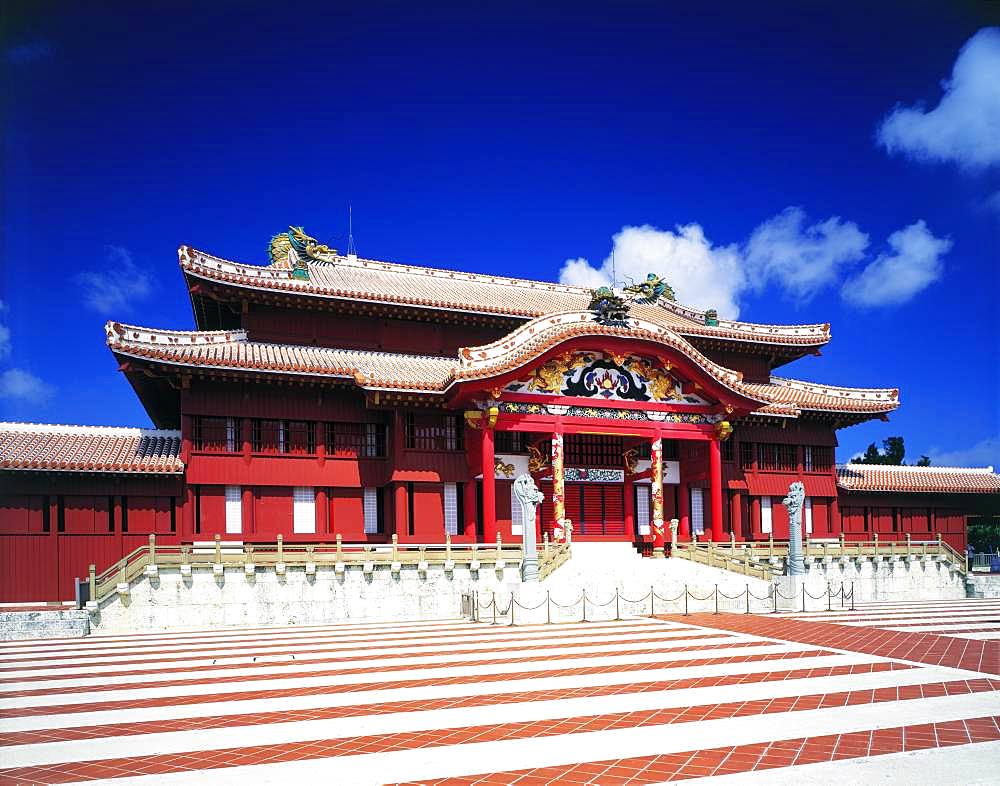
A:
[629,507]
[755,526]
[322,512]
[736,516]
[469,509]
[489,488]
[834,513]
[400,512]
[715,471]
[248,523]
[684,511]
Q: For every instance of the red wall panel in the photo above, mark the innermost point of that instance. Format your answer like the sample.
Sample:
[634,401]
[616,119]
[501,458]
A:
[21,513]
[211,512]
[77,552]
[29,569]
[347,514]
[428,512]
[272,511]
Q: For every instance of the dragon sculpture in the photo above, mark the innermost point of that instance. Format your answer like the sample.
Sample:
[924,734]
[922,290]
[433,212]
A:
[537,461]
[631,458]
[651,290]
[292,250]
[609,307]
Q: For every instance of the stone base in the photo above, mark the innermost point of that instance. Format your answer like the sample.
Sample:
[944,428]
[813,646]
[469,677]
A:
[58,623]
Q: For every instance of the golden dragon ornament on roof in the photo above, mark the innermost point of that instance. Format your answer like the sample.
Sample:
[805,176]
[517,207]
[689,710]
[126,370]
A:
[292,250]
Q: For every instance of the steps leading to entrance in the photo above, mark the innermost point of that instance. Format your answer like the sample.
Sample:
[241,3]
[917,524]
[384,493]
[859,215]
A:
[43,623]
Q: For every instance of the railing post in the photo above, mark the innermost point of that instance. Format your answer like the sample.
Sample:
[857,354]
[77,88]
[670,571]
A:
[908,544]
[770,545]
[732,542]
[545,544]
[803,598]
[716,598]
[774,597]
[748,598]
[218,549]
[618,614]
[92,572]
[841,542]
[152,548]
[500,544]
[829,601]
[395,547]
[548,607]
[875,541]
[685,600]
[652,601]
[447,547]
[281,546]
[584,606]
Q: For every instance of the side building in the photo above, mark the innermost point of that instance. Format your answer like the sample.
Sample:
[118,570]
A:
[324,395]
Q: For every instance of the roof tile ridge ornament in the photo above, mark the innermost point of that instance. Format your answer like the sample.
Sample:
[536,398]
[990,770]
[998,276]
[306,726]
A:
[119,333]
[21,427]
[835,390]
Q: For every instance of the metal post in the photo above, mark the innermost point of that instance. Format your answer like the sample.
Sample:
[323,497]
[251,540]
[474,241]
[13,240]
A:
[852,596]
[584,606]
[829,602]
[548,607]
[716,598]
[774,597]
[748,598]
[652,601]
[618,615]
[512,609]
[685,600]
[494,601]
[803,597]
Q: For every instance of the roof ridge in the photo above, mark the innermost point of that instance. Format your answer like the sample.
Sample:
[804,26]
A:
[915,468]
[792,382]
[61,428]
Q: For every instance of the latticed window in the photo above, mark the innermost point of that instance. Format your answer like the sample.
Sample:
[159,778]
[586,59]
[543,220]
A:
[594,450]
[301,437]
[746,455]
[303,509]
[433,432]
[359,440]
[373,512]
[817,459]
[269,436]
[217,435]
[771,456]
[510,442]
[727,450]
[451,508]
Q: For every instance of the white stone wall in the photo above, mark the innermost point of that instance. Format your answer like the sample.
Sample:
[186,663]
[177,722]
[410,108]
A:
[43,624]
[983,585]
[203,599]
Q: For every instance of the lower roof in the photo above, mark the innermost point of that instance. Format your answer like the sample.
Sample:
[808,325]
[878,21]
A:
[40,446]
[954,480]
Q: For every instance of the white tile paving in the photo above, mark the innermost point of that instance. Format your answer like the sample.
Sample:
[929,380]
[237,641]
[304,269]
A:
[458,696]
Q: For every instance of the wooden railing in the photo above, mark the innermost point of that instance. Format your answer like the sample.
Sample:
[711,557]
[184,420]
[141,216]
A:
[760,558]
[219,554]
[552,555]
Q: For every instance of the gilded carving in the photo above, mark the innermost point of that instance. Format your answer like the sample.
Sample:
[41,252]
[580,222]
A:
[507,470]
[537,461]
[631,458]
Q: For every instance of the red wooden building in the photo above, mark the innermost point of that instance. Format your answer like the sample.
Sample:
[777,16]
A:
[325,394]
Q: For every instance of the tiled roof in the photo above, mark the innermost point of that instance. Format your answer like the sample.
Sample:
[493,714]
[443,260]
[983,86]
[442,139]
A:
[369,280]
[39,446]
[880,477]
[391,371]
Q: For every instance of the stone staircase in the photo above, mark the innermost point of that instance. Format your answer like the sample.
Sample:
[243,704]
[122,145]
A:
[42,622]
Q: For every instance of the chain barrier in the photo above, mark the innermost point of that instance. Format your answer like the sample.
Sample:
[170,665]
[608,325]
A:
[652,596]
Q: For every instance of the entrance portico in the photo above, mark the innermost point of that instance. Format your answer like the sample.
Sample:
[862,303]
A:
[637,395]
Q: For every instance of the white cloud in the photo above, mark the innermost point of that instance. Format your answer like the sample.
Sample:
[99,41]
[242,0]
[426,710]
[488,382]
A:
[985,453]
[802,259]
[702,275]
[964,128]
[118,286]
[16,383]
[893,278]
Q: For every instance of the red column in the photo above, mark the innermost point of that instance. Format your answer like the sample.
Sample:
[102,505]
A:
[489,488]
[469,505]
[400,512]
[736,516]
[684,511]
[322,512]
[755,526]
[629,507]
[246,428]
[834,513]
[715,471]
[248,522]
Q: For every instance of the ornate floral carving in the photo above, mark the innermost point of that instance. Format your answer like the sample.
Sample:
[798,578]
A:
[631,459]
[507,470]
[537,461]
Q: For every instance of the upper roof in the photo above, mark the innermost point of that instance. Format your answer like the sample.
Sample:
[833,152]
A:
[233,350]
[41,446]
[882,477]
[351,278]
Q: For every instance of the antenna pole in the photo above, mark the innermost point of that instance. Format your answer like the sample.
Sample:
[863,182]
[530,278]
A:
[350,230]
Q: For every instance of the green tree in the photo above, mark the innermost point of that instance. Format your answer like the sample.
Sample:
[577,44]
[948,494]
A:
[893,452]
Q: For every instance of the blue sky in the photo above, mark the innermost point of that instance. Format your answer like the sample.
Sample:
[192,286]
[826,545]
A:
[789,162]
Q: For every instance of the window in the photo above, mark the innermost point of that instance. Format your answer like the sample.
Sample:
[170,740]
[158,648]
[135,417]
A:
[777,457]
[433,432]
[765,515]
[727,450]
[217,435]
[359,440]
[510,442]
[697,511]
[301,437]
[516,517]
[373,511]
[808,514]
[817,459]
[642,508]
[234,510]
[269,436]
[450,509]
[304,509]
[594,450]
[746,455]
